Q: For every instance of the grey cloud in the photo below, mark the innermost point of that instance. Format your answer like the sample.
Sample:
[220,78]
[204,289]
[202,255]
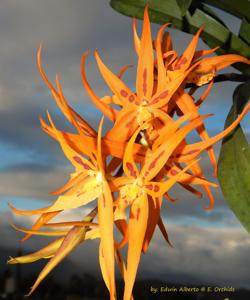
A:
[216,256]
[32,183]
[206,256]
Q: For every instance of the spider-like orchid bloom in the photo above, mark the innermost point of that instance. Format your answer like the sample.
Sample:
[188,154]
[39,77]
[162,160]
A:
[202,70]
[139,191]
[131,169]
[88,183]
[149,105]
[140,107]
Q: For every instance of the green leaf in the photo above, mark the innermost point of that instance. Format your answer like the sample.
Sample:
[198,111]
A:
[245,31]
[215,32]
[208,10]
[184,5]
[238,8]
[234,162]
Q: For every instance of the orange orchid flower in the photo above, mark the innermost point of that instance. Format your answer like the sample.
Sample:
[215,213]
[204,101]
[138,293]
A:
[146,104]
[130,170]
[202,71]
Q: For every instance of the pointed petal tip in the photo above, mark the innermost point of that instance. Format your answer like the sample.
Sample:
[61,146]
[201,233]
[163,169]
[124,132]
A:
[209,208]
[11,260]
[25,238]
[57,79]
[85,54]
[30,292]
[146,10]
[201,29]
[40,46]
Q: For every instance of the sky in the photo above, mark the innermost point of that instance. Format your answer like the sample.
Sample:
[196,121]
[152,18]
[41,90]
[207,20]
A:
[207,245]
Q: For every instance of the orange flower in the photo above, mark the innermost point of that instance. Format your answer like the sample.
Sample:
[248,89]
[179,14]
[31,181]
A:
[130,169]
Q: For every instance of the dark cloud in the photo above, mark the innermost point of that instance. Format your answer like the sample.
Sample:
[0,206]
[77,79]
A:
[32,183]
[206,256]
[201,255]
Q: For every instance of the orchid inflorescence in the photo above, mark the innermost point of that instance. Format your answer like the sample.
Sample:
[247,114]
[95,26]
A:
[131,169]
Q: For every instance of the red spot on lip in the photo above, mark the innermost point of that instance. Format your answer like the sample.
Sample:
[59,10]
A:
[181,62]
[173,172]
[149,186]
[131,169]
[124,93]
[131,98]
[161,96]
[104,201]
[80,162]
[138,214]
[144,87]
[80,194]
[156,188]
[187,153]
[153,163]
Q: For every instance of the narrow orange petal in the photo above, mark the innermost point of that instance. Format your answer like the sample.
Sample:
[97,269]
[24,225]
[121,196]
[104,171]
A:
[137,228]
[80,124]
[43,233]
[190,152]
[73,180]
[129,165]
[153,219]
[145,68]
[117,86]
[161,155]
[169,130]
[71,241]
[186,104]
[28,212]
[105,218]
[200,53]
[164,231]
[137,41]
[186,177]
[186,58]
[124,126]
[108,111]
[205,94]
[44,253]
[219,62]
[161,70]
[78,161]
[167,44]
[43,219]
[100,161]
[72,223]
[123,70]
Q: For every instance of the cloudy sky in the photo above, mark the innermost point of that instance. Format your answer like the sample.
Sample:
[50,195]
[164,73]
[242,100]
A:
[207,245]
